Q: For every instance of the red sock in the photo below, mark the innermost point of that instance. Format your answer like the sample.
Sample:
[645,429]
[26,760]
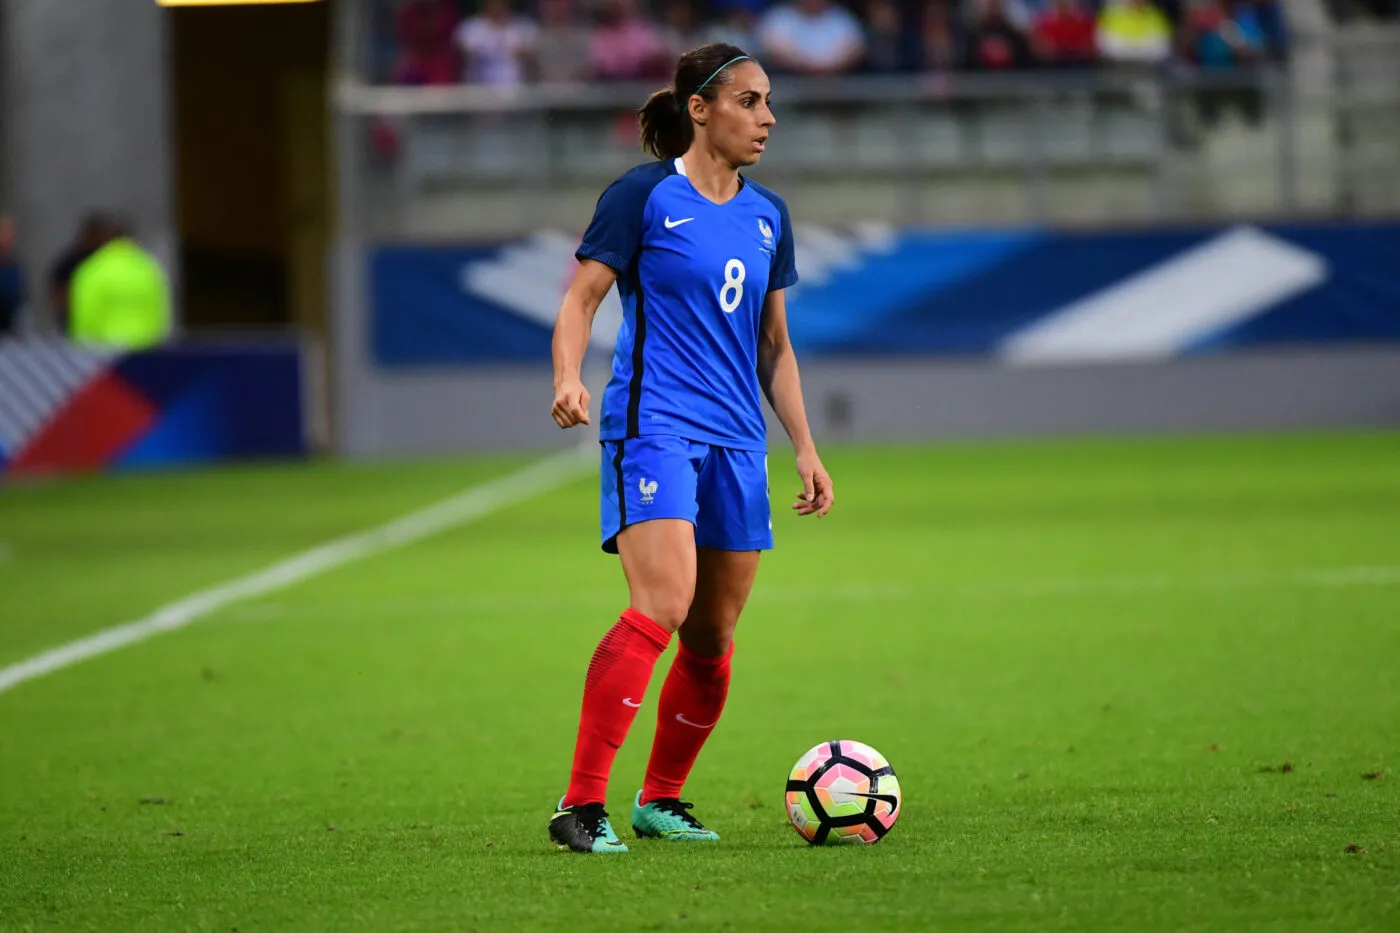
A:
[691,702]
[617,681]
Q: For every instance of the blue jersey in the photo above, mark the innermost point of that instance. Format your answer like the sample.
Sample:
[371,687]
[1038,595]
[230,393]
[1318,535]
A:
[692,275]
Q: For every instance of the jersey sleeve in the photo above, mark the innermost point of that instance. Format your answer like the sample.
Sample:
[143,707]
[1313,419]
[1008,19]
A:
[614,237]
[784,271]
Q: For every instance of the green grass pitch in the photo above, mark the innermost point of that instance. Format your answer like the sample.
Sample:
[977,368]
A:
[1127,685]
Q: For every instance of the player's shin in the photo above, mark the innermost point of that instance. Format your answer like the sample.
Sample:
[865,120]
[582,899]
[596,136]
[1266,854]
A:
[617,680]
[692,700]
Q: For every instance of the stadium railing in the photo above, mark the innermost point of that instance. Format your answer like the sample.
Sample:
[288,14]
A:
[1105,146]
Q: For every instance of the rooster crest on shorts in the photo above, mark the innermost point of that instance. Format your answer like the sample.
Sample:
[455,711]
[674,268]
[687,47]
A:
[647,489]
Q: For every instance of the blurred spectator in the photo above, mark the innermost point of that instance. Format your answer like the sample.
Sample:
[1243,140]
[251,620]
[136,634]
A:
[993,43]
[737,25]
[681,31]
[120,296]
[820,37]
[627,47]
[497,45]
[1214,37]
[885,52]
[1269,14]
[940,36]
[95,230]
[812,37]
[1134,32]
[562,46]
[1064,35]
[426,51]
[11,279]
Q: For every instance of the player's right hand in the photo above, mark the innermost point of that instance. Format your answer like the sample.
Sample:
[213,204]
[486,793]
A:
[570,404]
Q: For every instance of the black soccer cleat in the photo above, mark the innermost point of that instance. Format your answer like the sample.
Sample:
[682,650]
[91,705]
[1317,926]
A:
[584,828]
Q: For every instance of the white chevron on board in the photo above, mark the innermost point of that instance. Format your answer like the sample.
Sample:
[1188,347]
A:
[23,408]
[530,278]
[36,377]
[1162,310]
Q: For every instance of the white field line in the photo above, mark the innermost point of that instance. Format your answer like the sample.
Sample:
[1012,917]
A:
[465,507]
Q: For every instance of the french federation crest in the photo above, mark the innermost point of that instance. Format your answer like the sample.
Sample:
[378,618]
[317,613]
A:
[766,232]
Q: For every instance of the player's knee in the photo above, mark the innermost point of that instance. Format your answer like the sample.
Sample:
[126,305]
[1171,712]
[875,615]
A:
[707,641]
[667,606]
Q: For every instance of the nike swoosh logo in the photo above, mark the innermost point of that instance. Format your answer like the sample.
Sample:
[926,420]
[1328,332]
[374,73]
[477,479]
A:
[890,799]
[680,718]
[627,701]
[676,223]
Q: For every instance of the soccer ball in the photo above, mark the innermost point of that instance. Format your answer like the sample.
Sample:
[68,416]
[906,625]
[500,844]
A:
[842,792]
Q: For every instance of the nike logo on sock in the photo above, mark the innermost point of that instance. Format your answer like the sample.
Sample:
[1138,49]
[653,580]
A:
[627,701]
[680,718]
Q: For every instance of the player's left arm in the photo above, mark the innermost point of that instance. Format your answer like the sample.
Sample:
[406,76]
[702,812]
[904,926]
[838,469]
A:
[777,373]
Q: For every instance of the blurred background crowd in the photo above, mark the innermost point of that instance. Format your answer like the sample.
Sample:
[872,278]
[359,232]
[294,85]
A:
[511,42]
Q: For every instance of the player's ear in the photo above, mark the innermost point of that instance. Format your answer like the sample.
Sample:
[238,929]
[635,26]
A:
[699,109]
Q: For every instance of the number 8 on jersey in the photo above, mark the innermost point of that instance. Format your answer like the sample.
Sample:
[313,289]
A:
[733,291]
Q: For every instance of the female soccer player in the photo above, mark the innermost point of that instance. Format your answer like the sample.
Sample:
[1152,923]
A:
[701,256]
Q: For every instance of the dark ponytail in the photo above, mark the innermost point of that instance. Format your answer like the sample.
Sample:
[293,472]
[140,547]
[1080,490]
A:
[667,130]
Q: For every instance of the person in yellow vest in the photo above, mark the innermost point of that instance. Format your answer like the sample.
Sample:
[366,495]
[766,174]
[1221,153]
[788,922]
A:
[119,297]
[1134,32]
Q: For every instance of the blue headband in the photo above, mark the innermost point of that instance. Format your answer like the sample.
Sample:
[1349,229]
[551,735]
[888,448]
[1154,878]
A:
[706,83]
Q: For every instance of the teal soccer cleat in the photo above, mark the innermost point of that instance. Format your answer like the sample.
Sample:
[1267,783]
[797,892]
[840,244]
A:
[584,828]
[668,818]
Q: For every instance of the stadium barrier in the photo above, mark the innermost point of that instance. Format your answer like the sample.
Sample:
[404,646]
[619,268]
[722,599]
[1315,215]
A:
[1020,296]
[66,409]
[918,333]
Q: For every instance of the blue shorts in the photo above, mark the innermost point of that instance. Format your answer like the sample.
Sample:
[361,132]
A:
[721,491]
